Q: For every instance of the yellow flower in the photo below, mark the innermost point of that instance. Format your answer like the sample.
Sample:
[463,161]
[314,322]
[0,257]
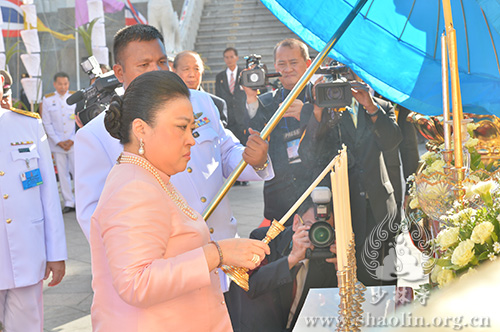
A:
[414,203]
[437,166]
[472,126]
[428,155]
[482,232]
[471,143]
[448,237]
[484,187]
[435,272]
[445,277]
[463,253]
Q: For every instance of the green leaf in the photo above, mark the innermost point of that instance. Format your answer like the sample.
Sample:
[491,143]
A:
[483,256]
[86,33]
[443,262]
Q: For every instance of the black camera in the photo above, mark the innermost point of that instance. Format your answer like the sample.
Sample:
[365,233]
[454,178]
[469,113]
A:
[321,233]
[336,91]
[97,96]
[256,77]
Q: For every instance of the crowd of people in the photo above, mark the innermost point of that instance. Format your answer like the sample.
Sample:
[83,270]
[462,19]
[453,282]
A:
[146,169]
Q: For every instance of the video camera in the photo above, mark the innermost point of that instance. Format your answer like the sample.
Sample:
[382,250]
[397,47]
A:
[321,233]
[257,77]
[98,95]
[336,91]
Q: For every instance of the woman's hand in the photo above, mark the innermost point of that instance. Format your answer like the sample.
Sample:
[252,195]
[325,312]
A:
[246,253]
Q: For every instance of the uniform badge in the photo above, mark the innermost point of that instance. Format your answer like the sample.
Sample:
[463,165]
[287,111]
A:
[72,116]
[21,143]
[201,122]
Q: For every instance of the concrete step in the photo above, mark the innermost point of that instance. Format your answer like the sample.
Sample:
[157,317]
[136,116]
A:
[260,20]
[220,42]
[275,28]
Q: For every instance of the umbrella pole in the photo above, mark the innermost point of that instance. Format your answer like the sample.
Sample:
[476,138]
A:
[273,122]
[456,98]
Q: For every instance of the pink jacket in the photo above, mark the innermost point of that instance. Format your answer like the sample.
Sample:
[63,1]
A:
[149,270]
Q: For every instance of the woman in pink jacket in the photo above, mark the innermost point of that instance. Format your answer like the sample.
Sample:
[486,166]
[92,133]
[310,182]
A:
[153,264]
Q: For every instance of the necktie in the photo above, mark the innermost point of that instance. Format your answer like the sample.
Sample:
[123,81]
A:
[231,84]
[353,110]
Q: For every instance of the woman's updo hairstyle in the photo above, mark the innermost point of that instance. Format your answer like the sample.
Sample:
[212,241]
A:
[141,100]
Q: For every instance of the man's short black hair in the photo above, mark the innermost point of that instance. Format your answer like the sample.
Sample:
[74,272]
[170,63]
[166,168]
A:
[138,32]
[230,49]
[60,74]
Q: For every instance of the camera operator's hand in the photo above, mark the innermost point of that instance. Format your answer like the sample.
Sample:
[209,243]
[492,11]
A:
[255,153]
[361,93]
[317,111]
[294,110]
[251,94]
[333,250]
[300,244]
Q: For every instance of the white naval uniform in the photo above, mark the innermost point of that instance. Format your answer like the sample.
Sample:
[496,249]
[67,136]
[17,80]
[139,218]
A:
[31,223]
[59,122]
[216,153]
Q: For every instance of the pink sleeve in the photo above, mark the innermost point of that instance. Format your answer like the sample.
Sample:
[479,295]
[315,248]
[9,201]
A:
[135,226]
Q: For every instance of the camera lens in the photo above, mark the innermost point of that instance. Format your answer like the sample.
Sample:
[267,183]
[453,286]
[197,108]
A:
[254,77]
[321,234]
[335,93]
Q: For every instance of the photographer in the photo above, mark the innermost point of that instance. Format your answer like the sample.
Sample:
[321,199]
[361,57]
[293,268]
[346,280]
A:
[278,288]
[291,59]
[93,100]
[368,128]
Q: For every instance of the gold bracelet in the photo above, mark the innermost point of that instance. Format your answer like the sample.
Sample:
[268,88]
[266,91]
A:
[258,169]
[219,250]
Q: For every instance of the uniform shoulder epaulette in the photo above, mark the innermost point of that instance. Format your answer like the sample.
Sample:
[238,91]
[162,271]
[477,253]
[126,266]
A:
[49,94]
[71,92]
[27,113]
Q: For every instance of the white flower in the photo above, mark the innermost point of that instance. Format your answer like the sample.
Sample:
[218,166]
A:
[492,256]
[496,247]
[484,187]
[448,237]
[498,217]
[482,232]
[471,143]
[463,253]
[445,277]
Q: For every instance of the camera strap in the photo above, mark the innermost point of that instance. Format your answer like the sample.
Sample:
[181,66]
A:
[291,137]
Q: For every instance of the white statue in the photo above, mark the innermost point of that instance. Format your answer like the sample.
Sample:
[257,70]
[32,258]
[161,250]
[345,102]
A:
[162,16]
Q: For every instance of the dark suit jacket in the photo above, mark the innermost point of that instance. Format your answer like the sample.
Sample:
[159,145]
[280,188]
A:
[290,179]
[368,177]
[407,150]
[267,304]
[236,104]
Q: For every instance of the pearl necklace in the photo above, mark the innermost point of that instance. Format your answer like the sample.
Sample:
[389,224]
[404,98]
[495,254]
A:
[169,188]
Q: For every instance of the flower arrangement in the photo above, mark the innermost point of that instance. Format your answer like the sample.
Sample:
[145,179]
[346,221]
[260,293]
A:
[469,230]
[470,235]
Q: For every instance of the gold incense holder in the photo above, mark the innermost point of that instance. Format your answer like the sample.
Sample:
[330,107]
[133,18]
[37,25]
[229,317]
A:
[351,293]
[240,274]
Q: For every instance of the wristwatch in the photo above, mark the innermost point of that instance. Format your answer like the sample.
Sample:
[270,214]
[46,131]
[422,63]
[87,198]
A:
[375,113]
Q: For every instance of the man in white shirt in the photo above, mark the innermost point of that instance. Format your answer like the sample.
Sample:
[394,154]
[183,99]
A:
[59,121]
[139,49]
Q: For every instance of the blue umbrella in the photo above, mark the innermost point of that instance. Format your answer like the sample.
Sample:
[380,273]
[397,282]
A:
[394,45]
